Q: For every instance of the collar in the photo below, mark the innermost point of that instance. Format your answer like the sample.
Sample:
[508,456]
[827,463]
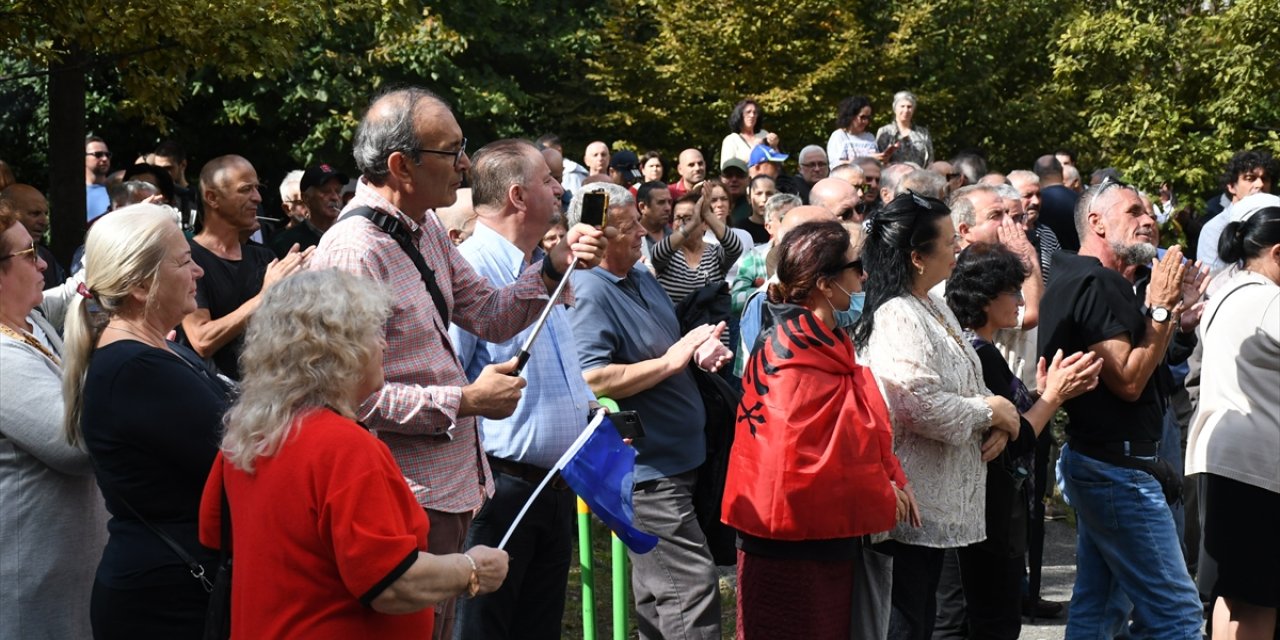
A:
[368,196]
[507,254]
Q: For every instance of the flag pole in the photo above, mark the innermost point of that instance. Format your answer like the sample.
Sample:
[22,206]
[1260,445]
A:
[564,459]
[522,358]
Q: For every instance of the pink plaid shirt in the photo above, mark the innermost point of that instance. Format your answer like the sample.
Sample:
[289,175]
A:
[416,411]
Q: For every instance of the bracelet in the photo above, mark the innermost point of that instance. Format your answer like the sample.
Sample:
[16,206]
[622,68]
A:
[473,583]
[549,269]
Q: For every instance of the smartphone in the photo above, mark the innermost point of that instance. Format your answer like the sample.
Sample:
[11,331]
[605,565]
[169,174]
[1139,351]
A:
[595,208]
[628,424]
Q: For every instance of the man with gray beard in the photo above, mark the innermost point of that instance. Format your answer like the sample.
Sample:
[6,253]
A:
[1110,467]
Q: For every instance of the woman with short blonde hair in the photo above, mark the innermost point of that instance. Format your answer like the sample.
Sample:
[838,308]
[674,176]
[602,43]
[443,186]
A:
[320,513]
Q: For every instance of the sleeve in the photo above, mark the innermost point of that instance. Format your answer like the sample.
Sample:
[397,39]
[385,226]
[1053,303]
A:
[835,150]
[365,520]
[31,394]
[726,148]
[995,371]
[593,333]
[662,253]
[1270,325]
[494,314]
[927,143]
[730,249]
[57,300]
[922,398]
[744,283]
[1094,318]
[211,507]
[884,137]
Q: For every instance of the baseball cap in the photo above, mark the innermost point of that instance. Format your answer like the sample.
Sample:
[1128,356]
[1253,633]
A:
[765,153]
[626,163]
[318,175]
[733,163]
[1244,208]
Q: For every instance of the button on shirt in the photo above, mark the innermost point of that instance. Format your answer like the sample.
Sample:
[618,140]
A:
[553,408]
[416,410]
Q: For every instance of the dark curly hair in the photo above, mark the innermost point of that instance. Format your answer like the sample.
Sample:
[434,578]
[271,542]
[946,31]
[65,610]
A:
[1245,161]
[983,272]
[808,253]
[908,224]
[848,110]
[735,118]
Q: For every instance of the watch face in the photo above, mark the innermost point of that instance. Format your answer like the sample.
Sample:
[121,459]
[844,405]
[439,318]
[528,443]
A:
[1160,314]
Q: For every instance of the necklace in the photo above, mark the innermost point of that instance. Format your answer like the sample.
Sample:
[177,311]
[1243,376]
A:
[144,339]
[29,339]
[937,315]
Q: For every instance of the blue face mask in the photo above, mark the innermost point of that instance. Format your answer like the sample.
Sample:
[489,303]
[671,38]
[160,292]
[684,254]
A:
[849,316]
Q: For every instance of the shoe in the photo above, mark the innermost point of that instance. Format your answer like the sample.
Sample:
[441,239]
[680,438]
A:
[1041,609]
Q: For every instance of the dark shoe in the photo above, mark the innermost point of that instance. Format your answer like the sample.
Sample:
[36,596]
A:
[1041,609]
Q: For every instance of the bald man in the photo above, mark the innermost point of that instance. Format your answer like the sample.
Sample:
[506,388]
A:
[596,159]
[236,274]
[837,196]
[692,168]
[33,213]
[459,218]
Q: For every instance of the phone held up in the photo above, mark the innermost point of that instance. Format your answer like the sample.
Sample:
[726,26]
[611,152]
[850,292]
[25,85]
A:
[595,208]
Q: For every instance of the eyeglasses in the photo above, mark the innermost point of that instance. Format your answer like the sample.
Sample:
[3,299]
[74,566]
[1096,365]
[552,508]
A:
[456,153]
[98,154]
[29,253]
[953,176]
[864,117]
[1016,294]
[813,165]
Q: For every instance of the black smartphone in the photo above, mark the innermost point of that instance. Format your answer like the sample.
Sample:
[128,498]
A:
[595,208]
[628,424]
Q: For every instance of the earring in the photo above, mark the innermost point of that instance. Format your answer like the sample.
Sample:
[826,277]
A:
[920,269]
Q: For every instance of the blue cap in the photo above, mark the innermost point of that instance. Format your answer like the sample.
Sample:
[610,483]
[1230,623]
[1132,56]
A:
[765,153]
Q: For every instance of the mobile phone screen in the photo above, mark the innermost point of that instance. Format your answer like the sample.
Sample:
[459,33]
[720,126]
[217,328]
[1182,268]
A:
[594,208]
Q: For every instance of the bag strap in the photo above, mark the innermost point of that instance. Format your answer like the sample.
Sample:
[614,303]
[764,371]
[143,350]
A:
[193,565]
[393,227]
[1223,301]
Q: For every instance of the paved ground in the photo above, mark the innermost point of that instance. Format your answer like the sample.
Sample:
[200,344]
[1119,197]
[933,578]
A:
[1057,579]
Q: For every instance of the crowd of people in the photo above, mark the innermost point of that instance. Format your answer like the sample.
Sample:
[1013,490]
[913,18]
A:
[862,360]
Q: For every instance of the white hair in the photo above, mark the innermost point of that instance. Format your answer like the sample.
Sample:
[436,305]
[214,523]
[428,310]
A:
[904,96]
[291,184]
[813,148]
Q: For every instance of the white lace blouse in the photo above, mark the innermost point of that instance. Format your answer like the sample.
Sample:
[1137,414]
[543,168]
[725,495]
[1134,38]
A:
[932,380]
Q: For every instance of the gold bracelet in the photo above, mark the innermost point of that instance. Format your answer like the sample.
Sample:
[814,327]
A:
[473,583]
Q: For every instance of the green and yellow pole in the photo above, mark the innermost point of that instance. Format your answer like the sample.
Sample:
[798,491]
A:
[588,572]
[620,584]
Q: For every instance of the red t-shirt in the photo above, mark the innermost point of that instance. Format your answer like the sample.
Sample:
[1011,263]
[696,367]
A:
[319,530]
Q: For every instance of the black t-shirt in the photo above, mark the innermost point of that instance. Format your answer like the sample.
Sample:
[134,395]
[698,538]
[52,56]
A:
[1092,304]
[152,423]
[303,234]
[758,233]
[226,285]
[1058,211]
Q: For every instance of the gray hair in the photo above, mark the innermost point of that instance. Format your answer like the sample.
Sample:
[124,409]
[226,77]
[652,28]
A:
[892,175]
[904,96]
[1008,192]
[1022,175]
[497,166]
[619,197]
[845,171]
[291,184]
[813,148]
[962,208]
[1087,201]
[777,206]
[923,182]
[132,192]
[382,134]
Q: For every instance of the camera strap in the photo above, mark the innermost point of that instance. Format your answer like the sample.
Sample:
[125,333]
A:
[393,227]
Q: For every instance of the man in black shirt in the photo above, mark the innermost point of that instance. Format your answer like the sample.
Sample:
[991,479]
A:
[1057,202]
[33,213]
[235,274]
[321,191]
[1109,468]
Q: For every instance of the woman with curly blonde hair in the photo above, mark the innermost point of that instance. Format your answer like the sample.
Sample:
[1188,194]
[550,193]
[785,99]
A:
[328,539]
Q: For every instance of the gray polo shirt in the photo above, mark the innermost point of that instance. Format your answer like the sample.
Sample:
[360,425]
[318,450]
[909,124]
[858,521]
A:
[629,320]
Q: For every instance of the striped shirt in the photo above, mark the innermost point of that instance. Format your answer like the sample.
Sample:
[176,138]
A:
[416,410]
[674,274]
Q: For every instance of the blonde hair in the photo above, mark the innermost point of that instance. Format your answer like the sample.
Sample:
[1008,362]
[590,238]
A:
[304,347]
[124,250]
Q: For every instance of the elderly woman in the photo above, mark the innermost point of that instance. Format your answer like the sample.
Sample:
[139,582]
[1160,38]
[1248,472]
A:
[745,132]
[149,413]
[851,139]
[901,140]
[812,467]
[946,423]
[53,527]
[327,537]
[985,293]
[1235,437]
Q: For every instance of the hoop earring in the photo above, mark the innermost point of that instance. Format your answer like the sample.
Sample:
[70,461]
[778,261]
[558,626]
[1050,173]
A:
[920,269]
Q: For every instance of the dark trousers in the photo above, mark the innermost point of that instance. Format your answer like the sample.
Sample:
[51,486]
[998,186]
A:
[979,596]
[530,603]
[448,532]
[169,611]
[916,571]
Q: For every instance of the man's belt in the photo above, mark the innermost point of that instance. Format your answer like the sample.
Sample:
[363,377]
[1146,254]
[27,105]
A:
[1134,455]
[526,472]
[1106,450]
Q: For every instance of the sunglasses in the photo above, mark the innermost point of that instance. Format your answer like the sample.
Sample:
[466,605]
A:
[856,265]
[99,154]
[29,253]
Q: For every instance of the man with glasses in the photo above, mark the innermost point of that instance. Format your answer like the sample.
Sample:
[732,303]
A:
[412,157]
[97,164]
[813,167]
[236,273]
[1110,468]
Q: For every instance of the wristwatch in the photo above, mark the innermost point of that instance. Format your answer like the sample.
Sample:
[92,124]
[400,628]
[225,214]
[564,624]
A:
[1160,314]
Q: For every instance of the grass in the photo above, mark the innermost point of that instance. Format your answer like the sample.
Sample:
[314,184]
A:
[603,565]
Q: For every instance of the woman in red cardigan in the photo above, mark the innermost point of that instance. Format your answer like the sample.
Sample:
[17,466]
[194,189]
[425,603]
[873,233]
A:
[812,467]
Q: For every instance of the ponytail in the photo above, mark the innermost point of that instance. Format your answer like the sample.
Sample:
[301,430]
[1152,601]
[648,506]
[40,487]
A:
[83,328]
[1246,239]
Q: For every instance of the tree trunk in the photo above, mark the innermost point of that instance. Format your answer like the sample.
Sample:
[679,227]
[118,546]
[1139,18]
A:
[67,201]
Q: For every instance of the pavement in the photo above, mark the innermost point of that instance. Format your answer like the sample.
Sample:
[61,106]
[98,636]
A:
[1057,579]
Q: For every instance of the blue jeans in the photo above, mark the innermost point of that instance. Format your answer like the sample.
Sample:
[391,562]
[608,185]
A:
[1126,546]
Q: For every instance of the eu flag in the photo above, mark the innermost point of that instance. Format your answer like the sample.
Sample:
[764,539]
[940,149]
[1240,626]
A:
[601,470]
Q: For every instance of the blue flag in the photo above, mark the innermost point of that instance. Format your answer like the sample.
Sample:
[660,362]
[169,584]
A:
[601,470]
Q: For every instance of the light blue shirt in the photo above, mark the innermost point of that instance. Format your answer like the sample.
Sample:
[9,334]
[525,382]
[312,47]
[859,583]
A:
[97,201]
[553,408]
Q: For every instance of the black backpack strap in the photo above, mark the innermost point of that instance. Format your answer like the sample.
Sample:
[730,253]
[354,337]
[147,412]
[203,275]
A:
[392,227]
